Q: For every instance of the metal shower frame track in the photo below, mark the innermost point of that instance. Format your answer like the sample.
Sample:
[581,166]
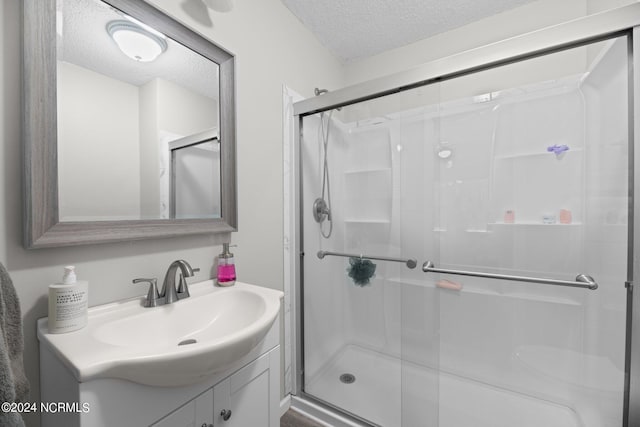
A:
[623,21]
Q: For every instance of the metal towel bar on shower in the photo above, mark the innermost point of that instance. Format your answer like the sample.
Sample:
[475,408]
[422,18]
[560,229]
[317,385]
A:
[582,280]
[411,263]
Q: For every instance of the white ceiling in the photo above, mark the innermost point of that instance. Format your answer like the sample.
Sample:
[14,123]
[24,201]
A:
[354,29]
[82,40]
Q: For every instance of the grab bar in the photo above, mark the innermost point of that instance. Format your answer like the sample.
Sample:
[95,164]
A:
[411,263]
[582,280]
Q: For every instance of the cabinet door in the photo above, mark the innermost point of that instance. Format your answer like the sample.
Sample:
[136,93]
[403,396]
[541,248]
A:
[195,413]
[251,394]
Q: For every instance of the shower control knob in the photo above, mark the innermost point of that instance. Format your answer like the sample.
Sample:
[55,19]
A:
[225,414]
[321,210]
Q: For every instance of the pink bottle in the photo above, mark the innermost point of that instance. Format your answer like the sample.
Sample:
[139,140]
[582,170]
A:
[509,217]
[565,216]
[226,267]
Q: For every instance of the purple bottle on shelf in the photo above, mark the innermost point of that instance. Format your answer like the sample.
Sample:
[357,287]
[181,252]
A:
[226,267]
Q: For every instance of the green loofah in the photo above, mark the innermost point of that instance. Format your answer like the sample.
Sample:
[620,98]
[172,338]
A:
[361,270]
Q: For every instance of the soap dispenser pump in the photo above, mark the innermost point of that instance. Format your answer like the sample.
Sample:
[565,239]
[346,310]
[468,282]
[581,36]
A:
[226,267]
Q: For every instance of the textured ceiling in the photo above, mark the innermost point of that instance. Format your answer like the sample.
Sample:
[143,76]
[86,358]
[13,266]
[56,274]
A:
[356,29]
[83,40]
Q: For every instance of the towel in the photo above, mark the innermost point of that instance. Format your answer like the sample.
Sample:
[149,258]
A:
[14,386]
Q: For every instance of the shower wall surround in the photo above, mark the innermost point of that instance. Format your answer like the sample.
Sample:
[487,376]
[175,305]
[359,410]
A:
[527,178]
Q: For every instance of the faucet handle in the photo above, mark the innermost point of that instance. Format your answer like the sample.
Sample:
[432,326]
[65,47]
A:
[152,293]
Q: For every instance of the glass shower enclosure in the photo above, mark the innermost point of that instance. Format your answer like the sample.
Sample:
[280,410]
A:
[466,243]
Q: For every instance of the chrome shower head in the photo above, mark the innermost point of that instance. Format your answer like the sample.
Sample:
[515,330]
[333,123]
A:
[319,92]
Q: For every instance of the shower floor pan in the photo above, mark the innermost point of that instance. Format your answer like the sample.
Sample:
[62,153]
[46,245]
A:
[374,394]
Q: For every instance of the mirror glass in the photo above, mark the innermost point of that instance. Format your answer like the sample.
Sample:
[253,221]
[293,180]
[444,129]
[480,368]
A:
[195,163]
[137,120]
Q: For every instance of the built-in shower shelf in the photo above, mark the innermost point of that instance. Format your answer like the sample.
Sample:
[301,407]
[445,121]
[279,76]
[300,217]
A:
[538,154]
[365,171]
[531,224]
[487,291]
[368,125]
[367,221]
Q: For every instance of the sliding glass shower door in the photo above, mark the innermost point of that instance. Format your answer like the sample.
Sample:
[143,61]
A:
[358,313]
[511,186]
[535,186]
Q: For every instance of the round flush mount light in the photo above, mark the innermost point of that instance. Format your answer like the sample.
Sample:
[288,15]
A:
[136,42]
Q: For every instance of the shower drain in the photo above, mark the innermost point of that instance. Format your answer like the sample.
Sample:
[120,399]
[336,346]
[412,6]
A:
[347,378]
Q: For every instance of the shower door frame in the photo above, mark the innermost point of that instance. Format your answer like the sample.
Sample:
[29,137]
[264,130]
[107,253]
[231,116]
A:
[623,21]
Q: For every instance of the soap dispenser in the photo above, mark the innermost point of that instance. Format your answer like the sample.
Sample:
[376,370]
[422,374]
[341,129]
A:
[68,302]
[226,267]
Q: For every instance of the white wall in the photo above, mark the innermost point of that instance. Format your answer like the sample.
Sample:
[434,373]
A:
[90,145]
[167,108]
[183,111]
[149,141]
[272,48]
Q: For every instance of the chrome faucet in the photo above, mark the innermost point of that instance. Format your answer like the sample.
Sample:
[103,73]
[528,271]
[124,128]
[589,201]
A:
[169,293]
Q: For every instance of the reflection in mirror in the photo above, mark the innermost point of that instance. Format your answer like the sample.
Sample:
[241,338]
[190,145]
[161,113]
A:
[125,92]
[195,163]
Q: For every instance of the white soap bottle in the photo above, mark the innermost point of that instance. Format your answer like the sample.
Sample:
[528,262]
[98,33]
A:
[68,303]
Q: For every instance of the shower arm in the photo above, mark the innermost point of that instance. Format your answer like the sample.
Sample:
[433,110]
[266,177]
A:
[582,280]
[411,263]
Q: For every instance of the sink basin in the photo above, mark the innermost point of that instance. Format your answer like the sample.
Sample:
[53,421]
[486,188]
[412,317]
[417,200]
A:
[171,345]
[210,318]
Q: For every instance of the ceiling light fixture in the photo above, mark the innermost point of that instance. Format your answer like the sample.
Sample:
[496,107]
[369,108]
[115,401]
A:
[137,43]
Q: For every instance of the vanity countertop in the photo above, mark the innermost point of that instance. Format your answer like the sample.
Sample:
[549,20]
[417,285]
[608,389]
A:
[170,345]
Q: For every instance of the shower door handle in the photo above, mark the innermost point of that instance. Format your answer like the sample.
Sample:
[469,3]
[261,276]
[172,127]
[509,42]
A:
[581,281]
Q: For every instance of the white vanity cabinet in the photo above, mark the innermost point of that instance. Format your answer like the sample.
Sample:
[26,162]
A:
[246,394]
[247,398]
[198,412]
[249,388]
